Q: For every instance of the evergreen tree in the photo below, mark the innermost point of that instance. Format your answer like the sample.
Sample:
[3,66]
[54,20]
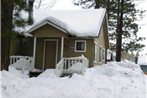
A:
[126,15]
[120,13]
[86,4]
[10,16]
[129,29]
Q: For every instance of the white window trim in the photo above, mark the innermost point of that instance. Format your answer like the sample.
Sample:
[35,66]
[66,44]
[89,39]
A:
[103,54]
[100,53]
[84,46]
[96,52]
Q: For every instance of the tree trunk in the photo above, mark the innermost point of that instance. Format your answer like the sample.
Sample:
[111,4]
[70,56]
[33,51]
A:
[108,8]
[6,30]
[30,15]
[119,31]
[97,4]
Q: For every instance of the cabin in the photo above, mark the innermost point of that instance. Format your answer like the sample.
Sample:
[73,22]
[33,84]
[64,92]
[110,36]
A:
[66,37]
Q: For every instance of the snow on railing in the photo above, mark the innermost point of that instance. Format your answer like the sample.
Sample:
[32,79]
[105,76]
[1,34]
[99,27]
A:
[72,65]
[59,67]
[22,62]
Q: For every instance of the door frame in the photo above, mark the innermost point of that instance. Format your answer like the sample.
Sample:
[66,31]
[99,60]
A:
[45,41]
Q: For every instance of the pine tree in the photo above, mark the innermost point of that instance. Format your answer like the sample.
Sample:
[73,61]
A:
[10,13]
[119,32]
[86,4]
[129,27]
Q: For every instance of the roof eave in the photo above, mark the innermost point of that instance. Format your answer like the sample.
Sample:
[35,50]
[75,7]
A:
[44,22]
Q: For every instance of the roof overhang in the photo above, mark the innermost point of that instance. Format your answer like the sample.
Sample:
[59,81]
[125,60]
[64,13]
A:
[44,22]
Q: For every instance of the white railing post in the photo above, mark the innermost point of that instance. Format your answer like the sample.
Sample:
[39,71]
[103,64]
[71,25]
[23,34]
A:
[68,66]
[13,60]
[62,47]
[10,60]
[34,53]
[59,68]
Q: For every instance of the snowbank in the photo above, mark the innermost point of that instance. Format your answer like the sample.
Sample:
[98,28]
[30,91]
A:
[142,60]
[19,73]
[19,64]
[48,73]
[112,80]
[0,85]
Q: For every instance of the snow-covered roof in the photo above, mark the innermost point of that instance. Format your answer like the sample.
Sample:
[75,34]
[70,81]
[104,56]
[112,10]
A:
[76,22]
[65,15]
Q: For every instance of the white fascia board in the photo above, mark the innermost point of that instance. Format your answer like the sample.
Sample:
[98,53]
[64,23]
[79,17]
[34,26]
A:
[101,22]
[107,29]
[44,22]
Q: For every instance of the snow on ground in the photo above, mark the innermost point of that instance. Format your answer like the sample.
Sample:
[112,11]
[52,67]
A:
[112,80]
[0,85]
[142,60]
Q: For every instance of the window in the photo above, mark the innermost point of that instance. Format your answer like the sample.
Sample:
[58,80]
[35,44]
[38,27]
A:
[96,52]
[103,54]
[80,46]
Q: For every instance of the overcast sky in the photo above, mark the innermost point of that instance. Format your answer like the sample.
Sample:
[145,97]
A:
[143,23]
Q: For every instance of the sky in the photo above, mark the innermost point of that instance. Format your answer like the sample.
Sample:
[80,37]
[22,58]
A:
[143,24]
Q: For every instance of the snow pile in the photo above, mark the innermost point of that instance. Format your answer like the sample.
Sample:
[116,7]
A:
[0,84]
[112,80]
[19,64]
[19,73]
[12,85]
[77,68]
[127,69]
[48,73]
[142,60]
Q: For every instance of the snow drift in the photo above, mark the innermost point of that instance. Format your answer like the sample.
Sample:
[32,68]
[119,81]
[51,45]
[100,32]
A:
[112,80]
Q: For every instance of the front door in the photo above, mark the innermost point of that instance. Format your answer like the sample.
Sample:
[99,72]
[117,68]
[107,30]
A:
[50,54]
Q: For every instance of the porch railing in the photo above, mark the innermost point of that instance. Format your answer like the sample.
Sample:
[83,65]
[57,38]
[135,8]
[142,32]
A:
[72,65]
[59,67]
[22,62]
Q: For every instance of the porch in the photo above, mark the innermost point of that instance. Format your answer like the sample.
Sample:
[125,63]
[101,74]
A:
[64,66]
[48,51]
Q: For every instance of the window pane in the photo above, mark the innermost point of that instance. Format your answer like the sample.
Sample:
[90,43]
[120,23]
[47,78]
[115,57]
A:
[80,46]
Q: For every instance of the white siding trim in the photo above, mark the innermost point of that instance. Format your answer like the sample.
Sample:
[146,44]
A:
[103,54]
[34,52]
[62,47]
[44,22]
